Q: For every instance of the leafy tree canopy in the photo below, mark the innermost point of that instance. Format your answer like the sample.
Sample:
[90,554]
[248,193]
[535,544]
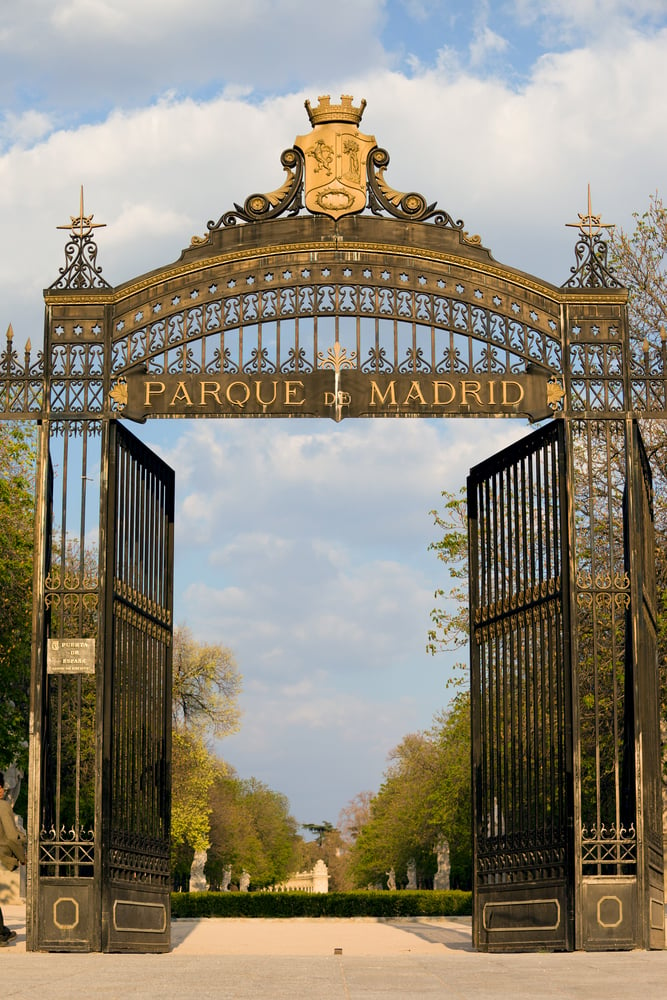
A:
[17,484]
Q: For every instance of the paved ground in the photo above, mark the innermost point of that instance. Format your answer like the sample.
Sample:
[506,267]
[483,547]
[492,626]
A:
[325,959]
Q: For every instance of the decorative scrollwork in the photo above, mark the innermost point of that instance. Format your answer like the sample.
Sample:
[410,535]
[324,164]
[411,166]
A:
[403,204]
[81,269]
[258,207]
[591,269]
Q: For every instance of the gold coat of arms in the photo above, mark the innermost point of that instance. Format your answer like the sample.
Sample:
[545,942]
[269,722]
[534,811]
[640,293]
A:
[336,155]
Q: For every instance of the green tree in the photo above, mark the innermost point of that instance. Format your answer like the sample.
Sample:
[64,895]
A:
[639,258]
[206,685]
[321,829]
[449,619]
[17,486]
[251,829]
[425,795]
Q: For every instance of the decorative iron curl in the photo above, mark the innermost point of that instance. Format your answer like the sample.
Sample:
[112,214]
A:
[258,207]
[401,204]
[81,269]
[591,269]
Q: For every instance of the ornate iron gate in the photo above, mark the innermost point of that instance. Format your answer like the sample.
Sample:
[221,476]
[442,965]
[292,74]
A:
[136,747]
[521,696]
[337,296]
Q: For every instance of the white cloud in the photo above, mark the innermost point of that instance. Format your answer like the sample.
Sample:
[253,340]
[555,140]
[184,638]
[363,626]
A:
[24,129]
[484,43]
[317,744]
[89,55]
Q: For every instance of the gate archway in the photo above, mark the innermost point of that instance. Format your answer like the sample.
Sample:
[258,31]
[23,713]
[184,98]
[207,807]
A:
[336,295]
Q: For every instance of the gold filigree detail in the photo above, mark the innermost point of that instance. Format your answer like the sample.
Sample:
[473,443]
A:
[555,393]
[590,225]
[119,393]
[82,225]
[199,241]
[337,358]
[474,241]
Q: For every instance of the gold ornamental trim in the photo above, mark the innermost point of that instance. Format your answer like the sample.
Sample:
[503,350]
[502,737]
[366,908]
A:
[332,245]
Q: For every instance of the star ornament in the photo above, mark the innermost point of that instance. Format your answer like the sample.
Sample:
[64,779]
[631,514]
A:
[82,225]
[590,225]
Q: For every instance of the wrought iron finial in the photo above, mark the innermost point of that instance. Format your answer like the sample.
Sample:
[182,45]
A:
[81,269]
[10,365]
[591,269]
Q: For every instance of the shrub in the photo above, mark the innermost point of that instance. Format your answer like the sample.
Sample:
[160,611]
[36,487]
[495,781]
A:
[332,904]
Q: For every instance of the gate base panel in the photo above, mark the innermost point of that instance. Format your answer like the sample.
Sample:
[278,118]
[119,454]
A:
[136,919]
[66,915]
[609,913]
[534,918]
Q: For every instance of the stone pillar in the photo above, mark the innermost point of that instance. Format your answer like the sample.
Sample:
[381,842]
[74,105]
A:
[320,877]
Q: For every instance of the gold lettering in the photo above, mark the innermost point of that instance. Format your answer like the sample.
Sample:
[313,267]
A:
[258,393]
[382,400]
[181,394]
[436,394]
[511,402]
[466,389]
[414,392]
[492,392]
[153,388]
[290,390]
[329,398]
[238,402]
[214,391]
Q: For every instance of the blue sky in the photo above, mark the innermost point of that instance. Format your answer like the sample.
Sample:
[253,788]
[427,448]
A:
[303,545]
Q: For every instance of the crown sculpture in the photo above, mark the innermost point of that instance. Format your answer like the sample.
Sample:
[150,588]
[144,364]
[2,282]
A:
[336,170]
[327,112]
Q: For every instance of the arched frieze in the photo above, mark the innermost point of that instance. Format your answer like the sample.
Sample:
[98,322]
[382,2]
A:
[395,313]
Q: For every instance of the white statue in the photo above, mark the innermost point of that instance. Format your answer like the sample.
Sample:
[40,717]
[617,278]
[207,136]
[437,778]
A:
[391,879]
[412,874]
[198,881]
[441,878]
[244,882]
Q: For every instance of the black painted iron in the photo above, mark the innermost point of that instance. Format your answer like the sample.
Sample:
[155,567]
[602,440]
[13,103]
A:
[401,308]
